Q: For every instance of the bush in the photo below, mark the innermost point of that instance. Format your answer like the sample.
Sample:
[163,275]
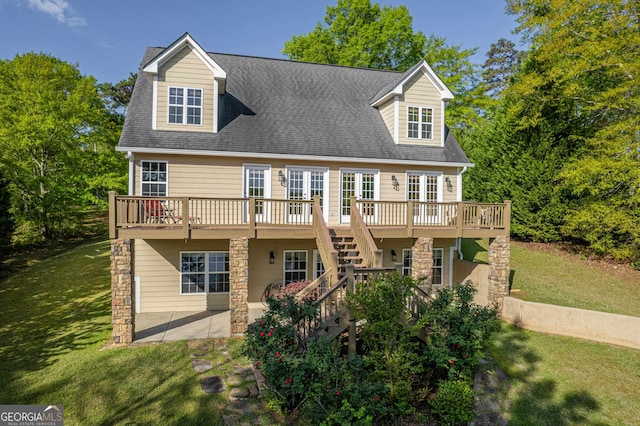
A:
[454,403]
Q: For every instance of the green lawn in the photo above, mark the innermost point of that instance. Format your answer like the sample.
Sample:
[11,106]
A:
[562,280]
[562,381]
[55,318]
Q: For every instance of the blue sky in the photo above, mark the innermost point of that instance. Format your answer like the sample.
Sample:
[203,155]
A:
[107,38]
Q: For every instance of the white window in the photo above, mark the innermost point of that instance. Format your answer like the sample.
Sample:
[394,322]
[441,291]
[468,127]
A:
[420,123]
[318,266]
[406,262]
[185,106]
[425,187]
[295,266]
[305,184]
[204,272]
[436,272]
[154,178]
[362,184]
[257,184]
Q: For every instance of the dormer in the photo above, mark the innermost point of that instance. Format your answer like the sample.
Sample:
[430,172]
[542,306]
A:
[187,83]
[413,107]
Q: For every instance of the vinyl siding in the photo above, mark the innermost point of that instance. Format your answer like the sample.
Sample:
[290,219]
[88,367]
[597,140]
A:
[419,92]
[221,177]
[387,113]
[186,70]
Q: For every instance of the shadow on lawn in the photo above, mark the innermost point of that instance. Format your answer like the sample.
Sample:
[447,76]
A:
[536,401]
[57,306]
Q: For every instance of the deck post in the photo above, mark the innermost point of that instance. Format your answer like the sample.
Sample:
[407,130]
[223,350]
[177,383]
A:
[459,219]
[239,285]
[252,217]
[185,218]
[351,288]
[112,215]
[499,270]
[122,292]
[410,219]
[422,261]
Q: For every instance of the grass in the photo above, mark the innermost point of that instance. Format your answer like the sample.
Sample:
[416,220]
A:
[562,280]
[563,381]
[54,322]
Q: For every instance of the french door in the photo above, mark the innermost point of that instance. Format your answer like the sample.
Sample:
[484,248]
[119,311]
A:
[304,184]
[362,184]
[257,184]
[426,189]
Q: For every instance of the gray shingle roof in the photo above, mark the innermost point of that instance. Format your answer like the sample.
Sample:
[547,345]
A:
[274,106]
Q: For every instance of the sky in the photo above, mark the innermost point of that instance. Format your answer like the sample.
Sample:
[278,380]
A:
[107,38]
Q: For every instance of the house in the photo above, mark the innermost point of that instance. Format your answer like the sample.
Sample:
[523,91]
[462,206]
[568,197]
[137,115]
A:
[245,171]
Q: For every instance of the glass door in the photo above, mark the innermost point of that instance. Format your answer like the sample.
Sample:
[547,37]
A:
[362,184]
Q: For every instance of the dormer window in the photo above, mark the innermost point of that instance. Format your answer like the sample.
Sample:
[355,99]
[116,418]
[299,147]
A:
[185,106]
[420,123]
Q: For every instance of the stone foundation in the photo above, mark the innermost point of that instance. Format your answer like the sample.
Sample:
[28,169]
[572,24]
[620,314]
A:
[239,285]
[122,294]
[422,260]
[499,270]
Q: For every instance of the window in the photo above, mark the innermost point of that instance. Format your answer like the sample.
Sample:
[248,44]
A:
[436,272]
[406,262]
[318,266]
[420,123]
[204,272]
[437,267]
[295,266]
[185,106]
[154,178]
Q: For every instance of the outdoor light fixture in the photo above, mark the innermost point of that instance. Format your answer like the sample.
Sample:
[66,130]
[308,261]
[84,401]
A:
[394,181]
[281,178]
[272,258]
[394,256]
[449,184]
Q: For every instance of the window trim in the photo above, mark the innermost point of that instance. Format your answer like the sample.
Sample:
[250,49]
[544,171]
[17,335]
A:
[185,106]
[284,265]
[317,261]
[420,122]
[422,174]
[407,270]
[441,267]
[142,182]
[206,272]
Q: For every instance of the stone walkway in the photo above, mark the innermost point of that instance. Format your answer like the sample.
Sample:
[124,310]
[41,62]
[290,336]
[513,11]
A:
[243,382]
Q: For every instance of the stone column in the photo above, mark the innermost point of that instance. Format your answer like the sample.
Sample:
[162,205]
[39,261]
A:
[499,270]
[122,292]
[239,284]
[422,260]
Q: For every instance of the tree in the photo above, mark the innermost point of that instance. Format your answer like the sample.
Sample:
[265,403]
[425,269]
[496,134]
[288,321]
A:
[117,96]
[6,218]
[503,60]
[361,34]
[50,114]
[587,54]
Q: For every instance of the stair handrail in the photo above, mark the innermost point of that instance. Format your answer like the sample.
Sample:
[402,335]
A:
[329,305]
[327,251]
[371,255]
[322,283]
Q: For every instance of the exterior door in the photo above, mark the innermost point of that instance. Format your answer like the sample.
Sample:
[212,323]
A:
[257,184]
[305,184]
[426,189]
[362,184]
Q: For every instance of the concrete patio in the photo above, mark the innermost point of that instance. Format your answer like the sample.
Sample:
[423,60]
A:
[172,326]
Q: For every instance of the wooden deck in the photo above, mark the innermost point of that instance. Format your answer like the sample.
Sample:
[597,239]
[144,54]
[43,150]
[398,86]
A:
[215,218]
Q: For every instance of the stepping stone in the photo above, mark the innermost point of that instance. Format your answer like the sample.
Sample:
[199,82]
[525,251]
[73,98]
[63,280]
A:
[243,407]
[213,384]
[243,371]
[239,393]
[234,380]
[201,365]
[250,378]
[199,354]
[229,421]
[253,391]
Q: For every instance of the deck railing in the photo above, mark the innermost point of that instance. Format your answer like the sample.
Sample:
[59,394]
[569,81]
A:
[186,213]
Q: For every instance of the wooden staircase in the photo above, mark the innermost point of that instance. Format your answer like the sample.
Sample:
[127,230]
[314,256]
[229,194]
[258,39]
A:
[348,252]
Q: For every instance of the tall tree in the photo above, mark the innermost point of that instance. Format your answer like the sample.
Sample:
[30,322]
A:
[588,53]
[360,34]
[50,113]
[503,60]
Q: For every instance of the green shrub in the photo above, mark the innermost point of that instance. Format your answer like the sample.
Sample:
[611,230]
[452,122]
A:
[454,403]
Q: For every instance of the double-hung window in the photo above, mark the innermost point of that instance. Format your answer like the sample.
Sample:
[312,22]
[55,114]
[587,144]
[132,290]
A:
[295,266]
[185,106]
[204,272]
[420,123]
[154,178]
[436,272]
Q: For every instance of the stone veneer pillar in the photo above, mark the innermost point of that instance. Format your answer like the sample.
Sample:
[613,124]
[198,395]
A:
[499,270]
[239,284]
[122,295]
[422,260]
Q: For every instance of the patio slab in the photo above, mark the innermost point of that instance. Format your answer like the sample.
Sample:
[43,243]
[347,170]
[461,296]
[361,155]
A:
[172,326]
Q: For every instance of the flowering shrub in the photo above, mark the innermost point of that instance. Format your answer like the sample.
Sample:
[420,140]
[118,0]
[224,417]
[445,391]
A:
[458,331]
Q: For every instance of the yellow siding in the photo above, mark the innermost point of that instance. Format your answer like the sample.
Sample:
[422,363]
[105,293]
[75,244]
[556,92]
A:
[419,92]
[185,69]
[221,177]
[387,113]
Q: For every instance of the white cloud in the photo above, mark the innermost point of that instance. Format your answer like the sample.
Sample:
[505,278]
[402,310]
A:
[59,10]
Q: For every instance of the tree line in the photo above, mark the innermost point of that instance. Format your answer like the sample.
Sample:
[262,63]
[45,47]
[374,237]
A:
[554,128]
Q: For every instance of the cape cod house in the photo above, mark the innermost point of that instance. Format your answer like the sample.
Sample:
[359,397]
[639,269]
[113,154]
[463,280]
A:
[245,171]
